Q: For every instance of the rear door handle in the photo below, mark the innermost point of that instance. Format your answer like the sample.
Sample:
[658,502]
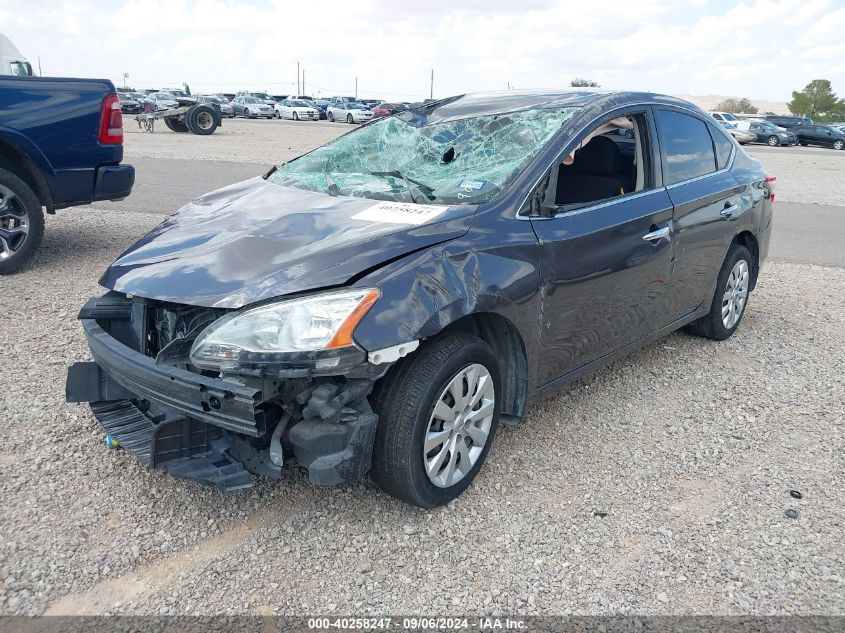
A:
[729,210]
[656,235]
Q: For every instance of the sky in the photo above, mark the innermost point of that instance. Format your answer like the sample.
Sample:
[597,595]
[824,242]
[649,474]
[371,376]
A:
[763,49]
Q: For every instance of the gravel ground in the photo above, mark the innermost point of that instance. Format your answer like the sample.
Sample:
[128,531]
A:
[656,485]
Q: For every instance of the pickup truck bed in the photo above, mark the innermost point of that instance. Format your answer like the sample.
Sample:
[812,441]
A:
[59,137]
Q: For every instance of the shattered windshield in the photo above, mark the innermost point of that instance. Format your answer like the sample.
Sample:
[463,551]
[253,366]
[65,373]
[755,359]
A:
[409,158]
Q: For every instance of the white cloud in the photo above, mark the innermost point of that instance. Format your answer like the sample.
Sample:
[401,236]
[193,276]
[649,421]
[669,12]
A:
[762,48]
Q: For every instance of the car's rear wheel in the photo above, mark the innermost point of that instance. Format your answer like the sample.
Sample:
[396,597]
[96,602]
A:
[838,144]
[438,413]
[732,289]
[349,118]
[773,141]
[21,222]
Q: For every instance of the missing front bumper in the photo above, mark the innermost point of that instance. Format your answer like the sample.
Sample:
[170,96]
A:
[213,430]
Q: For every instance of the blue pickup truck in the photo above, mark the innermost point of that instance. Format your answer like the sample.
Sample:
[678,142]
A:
[61,143]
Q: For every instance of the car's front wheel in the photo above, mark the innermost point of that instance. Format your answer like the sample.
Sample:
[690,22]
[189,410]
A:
[773,141]
[732,289]
[438,412]
[330,116]
[349,118]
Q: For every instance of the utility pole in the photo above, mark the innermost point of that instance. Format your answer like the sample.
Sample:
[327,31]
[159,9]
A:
[356,88]
[303,82]
[431,96]
[39,66]
[297,80]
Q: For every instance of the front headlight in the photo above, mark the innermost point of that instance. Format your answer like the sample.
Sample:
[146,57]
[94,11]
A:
[264,335]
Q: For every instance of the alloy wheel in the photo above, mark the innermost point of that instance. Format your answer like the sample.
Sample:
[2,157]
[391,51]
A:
[459,426]
[736,294]
[14,223]
[773,140]
[838,145]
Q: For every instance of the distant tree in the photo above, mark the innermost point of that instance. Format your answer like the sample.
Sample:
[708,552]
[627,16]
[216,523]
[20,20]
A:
[817,101]
[580,82]
[737,105]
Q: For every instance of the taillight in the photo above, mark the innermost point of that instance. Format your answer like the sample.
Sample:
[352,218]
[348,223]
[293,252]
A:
[111,121]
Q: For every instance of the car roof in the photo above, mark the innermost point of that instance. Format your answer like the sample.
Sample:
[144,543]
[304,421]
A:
[488,103]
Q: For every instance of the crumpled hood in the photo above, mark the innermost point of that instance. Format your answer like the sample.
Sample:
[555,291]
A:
[258,240]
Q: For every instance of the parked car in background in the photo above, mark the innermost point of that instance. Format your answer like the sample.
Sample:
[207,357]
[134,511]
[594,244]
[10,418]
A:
[724,116]
[321,105]
[370,103]
[768,133]
[128,105]
[224,106]
[821,135]
[263,97]
[163,100]
[343,100]
[788,122]
[742,136]
[376,305]
[349,111]
[386,109]
[61,145]
[251,107]
[297,110]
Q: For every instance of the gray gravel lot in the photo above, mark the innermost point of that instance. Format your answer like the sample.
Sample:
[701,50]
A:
[656,485]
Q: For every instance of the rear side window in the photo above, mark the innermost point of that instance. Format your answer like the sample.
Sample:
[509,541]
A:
[723,146]
[687,146]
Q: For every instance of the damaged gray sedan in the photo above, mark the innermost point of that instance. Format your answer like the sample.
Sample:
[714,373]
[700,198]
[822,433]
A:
[380,304]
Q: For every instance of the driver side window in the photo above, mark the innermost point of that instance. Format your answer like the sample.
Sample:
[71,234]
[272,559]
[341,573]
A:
[611,161]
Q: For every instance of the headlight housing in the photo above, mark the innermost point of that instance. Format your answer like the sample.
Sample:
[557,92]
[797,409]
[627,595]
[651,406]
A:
[269,334]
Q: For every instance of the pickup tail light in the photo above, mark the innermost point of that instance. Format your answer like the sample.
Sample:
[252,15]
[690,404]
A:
[770,180]
[111,121]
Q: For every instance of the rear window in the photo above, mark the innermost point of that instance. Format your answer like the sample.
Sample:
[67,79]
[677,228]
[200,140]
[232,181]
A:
[687,145]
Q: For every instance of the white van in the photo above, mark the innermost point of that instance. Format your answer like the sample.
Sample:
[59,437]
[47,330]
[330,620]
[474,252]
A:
[11,60]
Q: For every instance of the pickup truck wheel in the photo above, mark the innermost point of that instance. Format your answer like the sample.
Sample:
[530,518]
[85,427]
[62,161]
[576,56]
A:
[21,222]
[438,412]
[732,289]
[174,125]
[201,120]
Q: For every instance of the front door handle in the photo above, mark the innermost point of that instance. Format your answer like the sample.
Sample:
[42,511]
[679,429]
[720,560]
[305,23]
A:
[657,235]
[729,210]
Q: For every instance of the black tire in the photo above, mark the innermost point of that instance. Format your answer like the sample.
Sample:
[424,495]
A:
[175,126]
[330,117]
[803,144]
[838,144]
[18,205]
[773,141]
[711,325]
[404,400]
[201,120]
[295,116]
[349,119]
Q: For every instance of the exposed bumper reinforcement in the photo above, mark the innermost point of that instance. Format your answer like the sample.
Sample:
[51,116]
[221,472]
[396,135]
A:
[215,401]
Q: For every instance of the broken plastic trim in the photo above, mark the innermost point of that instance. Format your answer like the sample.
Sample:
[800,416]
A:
[392,354]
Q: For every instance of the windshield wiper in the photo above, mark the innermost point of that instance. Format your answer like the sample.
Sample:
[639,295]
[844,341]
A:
[395,173]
